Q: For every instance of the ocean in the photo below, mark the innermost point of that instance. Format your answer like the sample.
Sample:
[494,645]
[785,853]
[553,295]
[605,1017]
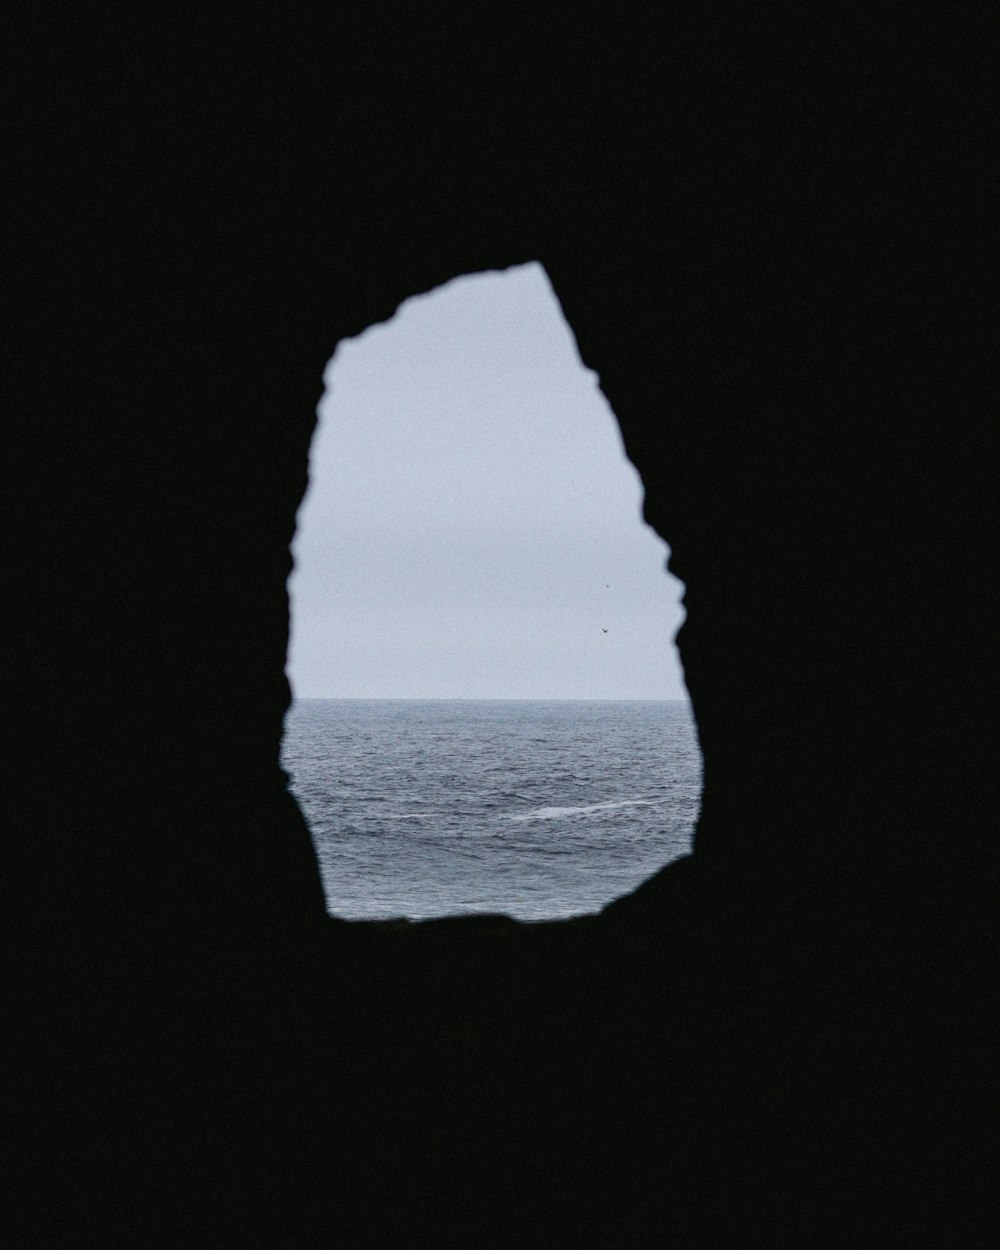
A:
[536,809]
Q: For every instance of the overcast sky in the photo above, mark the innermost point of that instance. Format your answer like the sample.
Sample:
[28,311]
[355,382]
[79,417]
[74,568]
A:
[472,526]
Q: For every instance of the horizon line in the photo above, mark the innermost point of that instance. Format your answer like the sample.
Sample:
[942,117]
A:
[420,698]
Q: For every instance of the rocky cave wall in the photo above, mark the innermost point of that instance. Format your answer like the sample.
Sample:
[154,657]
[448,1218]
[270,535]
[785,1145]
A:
[767,246]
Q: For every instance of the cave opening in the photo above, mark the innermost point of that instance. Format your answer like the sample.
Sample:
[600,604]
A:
[488,710]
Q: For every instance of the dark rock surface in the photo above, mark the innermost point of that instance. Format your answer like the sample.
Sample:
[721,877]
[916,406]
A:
[771,243]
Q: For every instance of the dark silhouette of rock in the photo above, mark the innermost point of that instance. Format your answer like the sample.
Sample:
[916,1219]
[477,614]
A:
[770,241]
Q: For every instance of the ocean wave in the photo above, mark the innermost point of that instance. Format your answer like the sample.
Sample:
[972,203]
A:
[558,813]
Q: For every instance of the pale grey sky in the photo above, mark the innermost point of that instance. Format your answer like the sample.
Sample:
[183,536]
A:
[472,526]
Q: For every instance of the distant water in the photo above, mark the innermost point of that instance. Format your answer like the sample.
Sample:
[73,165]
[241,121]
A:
[537,809]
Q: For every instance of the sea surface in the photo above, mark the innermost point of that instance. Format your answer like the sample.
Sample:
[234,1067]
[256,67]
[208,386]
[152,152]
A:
[537,809]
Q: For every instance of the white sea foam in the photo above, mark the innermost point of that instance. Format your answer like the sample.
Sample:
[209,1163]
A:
[558,813]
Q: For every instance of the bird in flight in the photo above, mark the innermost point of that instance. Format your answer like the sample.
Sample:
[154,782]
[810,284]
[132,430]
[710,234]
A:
[603,630]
